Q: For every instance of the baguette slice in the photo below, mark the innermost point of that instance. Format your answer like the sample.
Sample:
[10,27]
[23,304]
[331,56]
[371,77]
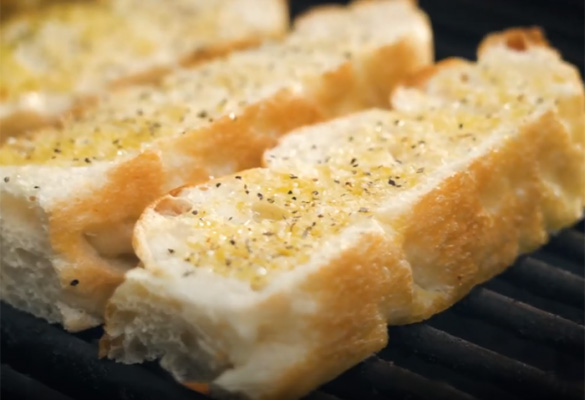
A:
[69,196]
[62,56]
[267,283]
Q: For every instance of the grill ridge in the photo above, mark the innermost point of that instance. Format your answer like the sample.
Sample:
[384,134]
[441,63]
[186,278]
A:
[548,281]
[523,319]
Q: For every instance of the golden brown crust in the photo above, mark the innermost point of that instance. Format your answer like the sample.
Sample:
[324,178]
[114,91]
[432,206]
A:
[130,188]
[385,76]
[241,141]
[519,39]
[343,333]
[475,224]
[348,89]
[423,75]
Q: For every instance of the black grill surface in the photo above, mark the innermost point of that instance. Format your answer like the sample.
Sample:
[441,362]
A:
[519,336]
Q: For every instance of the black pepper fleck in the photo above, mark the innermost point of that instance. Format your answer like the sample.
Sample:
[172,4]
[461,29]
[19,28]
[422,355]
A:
[74,282]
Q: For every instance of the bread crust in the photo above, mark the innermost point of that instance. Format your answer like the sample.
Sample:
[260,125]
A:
[519,39]
[474,224]
[130,187]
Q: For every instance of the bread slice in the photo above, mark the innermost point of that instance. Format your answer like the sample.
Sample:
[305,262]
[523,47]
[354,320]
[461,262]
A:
[62,56]
[69,196]
[267,283]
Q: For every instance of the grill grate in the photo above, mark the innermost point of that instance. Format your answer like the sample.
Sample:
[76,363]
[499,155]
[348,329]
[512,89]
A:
[488,345]
[519,336]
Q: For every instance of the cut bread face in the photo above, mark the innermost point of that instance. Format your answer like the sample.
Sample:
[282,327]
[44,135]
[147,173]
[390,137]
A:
[269,282]
[70,195]
[62,56]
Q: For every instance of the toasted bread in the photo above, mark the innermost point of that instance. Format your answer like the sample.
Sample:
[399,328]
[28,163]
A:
[267,283]
[60,58]
[70,196]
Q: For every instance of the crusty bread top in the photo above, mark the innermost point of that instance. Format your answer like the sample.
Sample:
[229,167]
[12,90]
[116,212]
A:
[326,179]
[517,70]
[192,98]
[79,47]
